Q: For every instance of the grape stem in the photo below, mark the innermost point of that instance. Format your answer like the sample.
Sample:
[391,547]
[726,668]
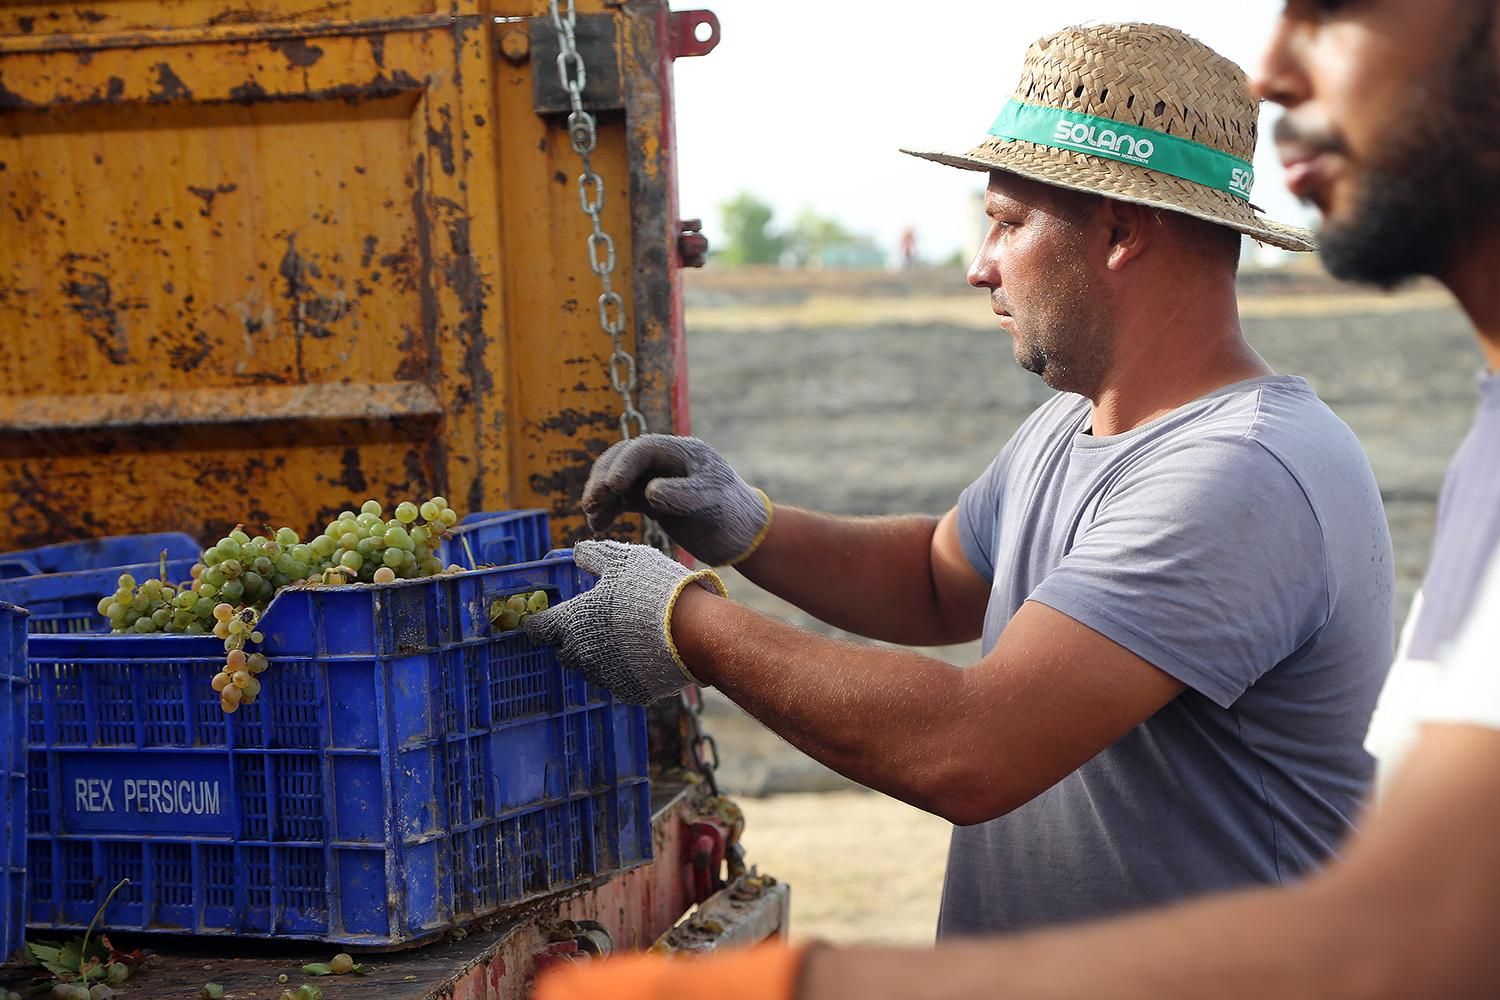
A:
[98,915]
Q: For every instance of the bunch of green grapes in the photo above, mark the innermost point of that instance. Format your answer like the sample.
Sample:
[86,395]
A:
[510,612]
[236,578]
[370,548]
[157,606]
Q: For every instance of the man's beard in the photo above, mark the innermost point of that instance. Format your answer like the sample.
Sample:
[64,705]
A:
[1438,177]
[1070,352]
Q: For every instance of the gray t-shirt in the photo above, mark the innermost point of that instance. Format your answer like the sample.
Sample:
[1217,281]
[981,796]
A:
[1238,544]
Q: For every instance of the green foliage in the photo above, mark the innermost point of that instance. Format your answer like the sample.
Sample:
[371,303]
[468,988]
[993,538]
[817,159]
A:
[747,228]
[813,235]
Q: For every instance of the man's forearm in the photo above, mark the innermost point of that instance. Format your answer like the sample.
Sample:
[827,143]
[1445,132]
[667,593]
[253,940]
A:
[1409,912]
[883,717]
[870,576]
[1248,946]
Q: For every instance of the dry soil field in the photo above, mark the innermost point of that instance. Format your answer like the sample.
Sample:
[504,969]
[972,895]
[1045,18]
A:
[878,393]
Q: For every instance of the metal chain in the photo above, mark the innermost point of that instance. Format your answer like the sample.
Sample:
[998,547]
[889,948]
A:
[583,135]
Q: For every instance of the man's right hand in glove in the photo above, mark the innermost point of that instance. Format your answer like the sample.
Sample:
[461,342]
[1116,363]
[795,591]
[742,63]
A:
[686,487]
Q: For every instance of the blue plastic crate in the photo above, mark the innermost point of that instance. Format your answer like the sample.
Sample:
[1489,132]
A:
[96,553]
[13,779]
[69,602]
[407,768]
[498,539]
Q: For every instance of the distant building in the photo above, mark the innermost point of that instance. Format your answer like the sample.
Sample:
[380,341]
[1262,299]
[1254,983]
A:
[860,253]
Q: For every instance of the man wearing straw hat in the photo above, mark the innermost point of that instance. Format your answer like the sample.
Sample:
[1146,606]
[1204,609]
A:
[1179,565]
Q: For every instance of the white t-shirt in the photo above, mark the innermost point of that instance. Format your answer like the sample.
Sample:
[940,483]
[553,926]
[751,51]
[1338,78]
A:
[1446,669]
[1461,686]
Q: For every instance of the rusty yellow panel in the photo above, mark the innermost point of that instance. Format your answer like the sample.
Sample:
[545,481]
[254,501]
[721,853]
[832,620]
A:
[259,272]
[109,16]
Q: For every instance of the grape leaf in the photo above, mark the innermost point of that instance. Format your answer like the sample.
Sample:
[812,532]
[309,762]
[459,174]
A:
[317,969]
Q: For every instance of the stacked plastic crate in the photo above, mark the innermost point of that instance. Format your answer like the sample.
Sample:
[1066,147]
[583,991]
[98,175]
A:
[12,779]
[408,767]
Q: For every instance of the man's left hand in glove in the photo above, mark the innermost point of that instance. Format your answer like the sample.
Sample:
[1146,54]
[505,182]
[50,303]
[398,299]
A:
[618,634]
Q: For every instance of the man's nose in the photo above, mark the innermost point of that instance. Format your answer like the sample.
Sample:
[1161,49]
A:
[1280,77]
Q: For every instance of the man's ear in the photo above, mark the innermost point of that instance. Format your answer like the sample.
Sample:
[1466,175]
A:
[1130,228]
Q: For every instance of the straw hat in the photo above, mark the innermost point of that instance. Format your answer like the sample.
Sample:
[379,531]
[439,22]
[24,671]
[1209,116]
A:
[1137,112]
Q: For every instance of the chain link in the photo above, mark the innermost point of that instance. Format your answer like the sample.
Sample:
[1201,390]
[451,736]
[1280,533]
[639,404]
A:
[583,136]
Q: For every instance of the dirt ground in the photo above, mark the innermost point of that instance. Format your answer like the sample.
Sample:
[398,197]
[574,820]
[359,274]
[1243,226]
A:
[884,393]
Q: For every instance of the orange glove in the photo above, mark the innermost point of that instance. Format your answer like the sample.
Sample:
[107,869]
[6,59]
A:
[766,972]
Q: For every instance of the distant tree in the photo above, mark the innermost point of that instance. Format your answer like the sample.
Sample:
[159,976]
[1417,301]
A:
[813,235]
[747,228]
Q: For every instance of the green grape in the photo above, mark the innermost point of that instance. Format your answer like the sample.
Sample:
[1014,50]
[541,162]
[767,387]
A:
[256,663]
[207,590]
[253,583]
[185,599]
[384,575]
[406,512]
[351,560]
[324,545]
[420,535]
[212,557]
[431,566]
[195,629]
[116,611]
[366,548]
[232,568]
[537,602]
[430,511]
[227,548]
[347,515]
[398,536]
[448,516]
[370,507]
[161,616]
[105,603]
[232,591]
[263,565]
[140,602]
[145,626]
[286,537]
[181,620]
[301,552]
[126,582]
[298,570]
[509,619]
[197,570]
[394,558]
[239,536]
[215,575]
[441,503]
[516,603]
[257,637]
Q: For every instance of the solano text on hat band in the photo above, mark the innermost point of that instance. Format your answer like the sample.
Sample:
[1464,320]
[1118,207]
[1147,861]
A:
[1167,154]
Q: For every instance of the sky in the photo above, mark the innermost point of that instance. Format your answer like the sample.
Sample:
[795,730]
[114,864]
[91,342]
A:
[805,104]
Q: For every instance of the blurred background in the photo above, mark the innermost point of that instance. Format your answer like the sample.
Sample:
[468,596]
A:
[838,359]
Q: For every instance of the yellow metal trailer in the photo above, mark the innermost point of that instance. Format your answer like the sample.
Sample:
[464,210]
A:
[274,256]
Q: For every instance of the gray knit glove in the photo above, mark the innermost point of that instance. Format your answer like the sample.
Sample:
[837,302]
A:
[618,634]
[685,486]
